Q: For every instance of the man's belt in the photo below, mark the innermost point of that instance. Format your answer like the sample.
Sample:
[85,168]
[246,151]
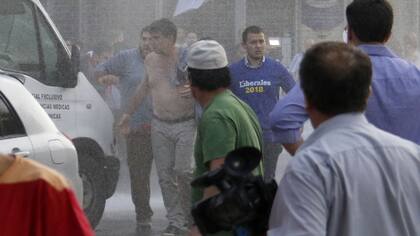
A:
[182,119]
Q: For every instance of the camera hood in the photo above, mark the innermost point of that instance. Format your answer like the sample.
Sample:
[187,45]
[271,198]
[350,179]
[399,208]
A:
[242,161]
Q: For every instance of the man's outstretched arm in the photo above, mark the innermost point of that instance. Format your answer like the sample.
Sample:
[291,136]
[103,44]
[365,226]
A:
[287,119]
[141,91]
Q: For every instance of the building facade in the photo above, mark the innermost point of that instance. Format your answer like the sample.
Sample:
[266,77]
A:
[289,21]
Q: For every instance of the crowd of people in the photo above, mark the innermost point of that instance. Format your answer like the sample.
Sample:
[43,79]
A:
[185,107]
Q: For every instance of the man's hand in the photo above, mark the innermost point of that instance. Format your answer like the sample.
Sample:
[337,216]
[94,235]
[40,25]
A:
[124,124]
[184,90]
[108,80]
[292,147]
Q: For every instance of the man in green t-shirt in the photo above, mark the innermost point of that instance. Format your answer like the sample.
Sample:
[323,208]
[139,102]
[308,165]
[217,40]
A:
[227,122]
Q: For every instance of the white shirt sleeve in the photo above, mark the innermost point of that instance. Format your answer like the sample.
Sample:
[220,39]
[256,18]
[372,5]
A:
[300,206]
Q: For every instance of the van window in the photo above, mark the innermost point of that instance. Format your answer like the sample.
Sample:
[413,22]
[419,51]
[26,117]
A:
[18,41]
[28,44]
[10,124]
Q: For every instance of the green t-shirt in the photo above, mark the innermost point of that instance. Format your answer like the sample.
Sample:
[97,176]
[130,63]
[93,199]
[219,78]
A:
[227,123]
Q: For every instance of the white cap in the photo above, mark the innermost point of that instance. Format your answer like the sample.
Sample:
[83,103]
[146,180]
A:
[206,55]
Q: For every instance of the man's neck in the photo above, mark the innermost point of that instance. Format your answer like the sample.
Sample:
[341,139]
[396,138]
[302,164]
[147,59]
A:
[370,43]
[316,117]
[169,52]
[357,42]
[254,61]
[206,97]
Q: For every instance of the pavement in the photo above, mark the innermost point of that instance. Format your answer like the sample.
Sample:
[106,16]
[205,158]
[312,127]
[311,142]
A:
[119,215]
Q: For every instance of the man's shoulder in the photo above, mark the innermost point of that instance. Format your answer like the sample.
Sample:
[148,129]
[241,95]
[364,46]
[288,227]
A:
[274,63]
[387,140]
[26,170]
[228,107]
[397,73]
[384,59]
[237,64]
[221,105]
[349,139]
[127,53]
[323,148]
[345,149]
[411,70]
[218,107]
[122,57]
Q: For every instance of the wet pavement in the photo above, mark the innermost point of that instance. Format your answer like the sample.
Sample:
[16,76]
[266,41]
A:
[119,215]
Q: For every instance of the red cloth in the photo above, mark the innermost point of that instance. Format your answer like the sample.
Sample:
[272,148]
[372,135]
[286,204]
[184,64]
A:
[37,209]
[39,203]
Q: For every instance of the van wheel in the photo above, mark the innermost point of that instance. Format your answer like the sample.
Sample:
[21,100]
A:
[93,189]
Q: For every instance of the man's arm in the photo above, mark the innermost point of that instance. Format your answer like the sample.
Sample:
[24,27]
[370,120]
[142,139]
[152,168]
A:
[108,73]
[218,139]
[287,119]
[300,205]
[212,190]
[141,91]
[286,79]
[291,148]
[208,192]
[99,72]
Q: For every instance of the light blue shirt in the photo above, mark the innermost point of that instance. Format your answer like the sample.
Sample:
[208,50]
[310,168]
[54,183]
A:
[349,178]
[128,65]
[394,105]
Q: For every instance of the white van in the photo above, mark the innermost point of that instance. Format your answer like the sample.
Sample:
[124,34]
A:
[30,44]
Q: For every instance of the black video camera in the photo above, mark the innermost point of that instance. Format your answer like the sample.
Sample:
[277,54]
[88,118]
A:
[244,201]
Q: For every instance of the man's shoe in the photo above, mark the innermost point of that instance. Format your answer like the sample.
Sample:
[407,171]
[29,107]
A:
[143,228]
[172,230]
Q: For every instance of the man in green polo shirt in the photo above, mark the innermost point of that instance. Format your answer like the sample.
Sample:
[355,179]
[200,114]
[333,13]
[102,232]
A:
[227,122]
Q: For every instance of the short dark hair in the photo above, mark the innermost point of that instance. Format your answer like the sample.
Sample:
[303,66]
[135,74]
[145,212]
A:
[335,78]
[253,29]
[370,20]
[164,26]
[145,29]
[209,80]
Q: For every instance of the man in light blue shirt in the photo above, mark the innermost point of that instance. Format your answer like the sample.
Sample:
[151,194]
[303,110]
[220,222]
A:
[127,69]
[349,178]
[394,105]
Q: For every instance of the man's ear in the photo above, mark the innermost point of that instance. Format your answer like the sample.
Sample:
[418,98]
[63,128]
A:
[370,92]
[387,37]
[173,38]
[350,34]
[243,45]
[193,90]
